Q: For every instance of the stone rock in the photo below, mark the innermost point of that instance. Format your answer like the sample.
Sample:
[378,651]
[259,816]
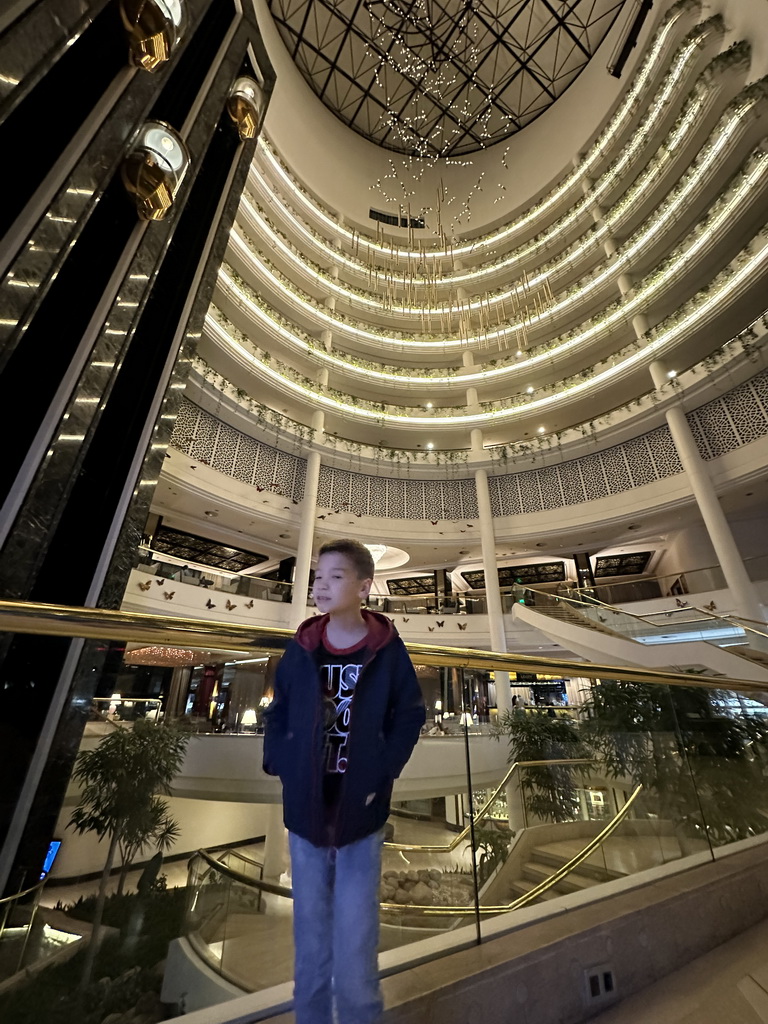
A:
[423,875]
[112,1018]
[401,896]
[148,1005]
[149,1002]
[435,875]
[391,874]
[388,893]
[421,894]
[433,884]
[412,876]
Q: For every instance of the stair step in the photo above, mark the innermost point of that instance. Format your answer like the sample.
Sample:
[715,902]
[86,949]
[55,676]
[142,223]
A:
[522,886]
[553,861]
[572,882]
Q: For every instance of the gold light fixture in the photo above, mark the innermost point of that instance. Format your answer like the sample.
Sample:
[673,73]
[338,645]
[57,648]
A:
[154,168]
[245,104]
[154,29]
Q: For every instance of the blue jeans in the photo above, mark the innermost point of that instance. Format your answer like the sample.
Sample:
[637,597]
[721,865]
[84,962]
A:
[336,930]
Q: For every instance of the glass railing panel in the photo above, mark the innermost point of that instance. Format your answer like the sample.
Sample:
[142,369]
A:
[144,895]
[25,940]
[222,581]
[602,795]
[240,927]
[679,584]
[633,779]
[429,880]
[586,611]
[725,736]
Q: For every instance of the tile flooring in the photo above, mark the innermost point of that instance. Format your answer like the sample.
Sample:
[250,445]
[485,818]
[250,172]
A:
[728,985]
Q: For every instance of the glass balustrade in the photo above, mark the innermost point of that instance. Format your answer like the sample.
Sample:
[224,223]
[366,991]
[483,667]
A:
[677,584]
[501,816]
[679,624]
[162,566]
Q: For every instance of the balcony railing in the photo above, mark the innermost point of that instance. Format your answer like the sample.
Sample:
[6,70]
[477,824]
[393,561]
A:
[642,774]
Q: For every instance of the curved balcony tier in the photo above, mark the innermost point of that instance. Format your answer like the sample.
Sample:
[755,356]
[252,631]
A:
[717,161]
[723,306]
[536,215]
[634,195]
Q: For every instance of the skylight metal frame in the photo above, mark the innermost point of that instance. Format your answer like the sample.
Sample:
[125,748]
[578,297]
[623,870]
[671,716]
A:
[540,45]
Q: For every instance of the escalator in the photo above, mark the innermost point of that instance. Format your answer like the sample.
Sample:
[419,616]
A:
[684,638]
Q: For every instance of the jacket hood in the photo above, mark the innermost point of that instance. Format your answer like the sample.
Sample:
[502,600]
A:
[380,631]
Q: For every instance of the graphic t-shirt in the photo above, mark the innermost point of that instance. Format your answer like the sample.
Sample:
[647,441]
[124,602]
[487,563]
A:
[339,670]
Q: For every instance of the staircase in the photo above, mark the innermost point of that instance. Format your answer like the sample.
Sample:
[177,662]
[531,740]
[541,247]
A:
[598,632]
[567,612]
[544,862]
[544,850]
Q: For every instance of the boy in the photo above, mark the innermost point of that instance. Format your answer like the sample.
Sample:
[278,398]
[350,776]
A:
[346,715]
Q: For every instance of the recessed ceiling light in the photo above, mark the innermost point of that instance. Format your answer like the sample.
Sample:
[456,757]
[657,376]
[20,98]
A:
[430,445]
[529,389]
[540,430]
[211,514]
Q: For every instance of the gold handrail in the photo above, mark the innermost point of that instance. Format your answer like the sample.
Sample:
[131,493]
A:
[537,890]
[461,836]
[202,634]
[240,876]
[740,621]
[24,892]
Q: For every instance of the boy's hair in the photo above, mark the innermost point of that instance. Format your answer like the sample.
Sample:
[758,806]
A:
[358,554]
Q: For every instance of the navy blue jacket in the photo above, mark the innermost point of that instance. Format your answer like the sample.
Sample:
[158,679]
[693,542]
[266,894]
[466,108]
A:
[386,718]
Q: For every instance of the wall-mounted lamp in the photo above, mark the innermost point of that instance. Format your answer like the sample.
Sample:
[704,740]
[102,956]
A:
[154,29]
[246,103]
[154,168]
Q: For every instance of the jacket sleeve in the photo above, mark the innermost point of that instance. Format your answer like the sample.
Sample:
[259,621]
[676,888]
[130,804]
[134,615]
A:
[407,714]
[276,719]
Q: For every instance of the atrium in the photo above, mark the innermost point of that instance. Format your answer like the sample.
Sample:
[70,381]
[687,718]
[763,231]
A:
[480,285]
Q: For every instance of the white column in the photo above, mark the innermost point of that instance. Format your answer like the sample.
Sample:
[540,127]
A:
[497,635]
[746,601]
[515,810]
[306,529]
[490,569]
[274,845]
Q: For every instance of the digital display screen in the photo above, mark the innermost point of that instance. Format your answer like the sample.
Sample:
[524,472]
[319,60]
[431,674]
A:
[50,857]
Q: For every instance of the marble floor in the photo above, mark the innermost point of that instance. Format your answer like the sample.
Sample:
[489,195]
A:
[728,985]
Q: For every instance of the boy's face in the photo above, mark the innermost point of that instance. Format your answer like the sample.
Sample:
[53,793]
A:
[337,587]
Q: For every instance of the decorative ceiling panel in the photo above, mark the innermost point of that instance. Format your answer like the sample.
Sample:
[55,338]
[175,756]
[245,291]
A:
[441,78]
